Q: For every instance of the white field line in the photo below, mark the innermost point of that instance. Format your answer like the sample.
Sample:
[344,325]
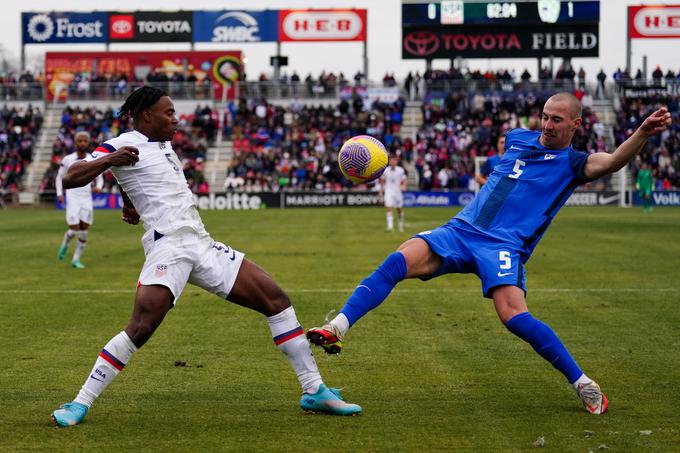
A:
[348,290]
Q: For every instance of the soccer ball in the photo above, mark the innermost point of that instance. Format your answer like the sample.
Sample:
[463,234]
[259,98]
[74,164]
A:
[362,159]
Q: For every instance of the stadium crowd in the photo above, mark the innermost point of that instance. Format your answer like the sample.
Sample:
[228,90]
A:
[662,152]
[294,147]
[18,133]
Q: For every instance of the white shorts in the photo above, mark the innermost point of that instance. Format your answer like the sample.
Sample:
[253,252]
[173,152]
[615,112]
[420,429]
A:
[182,257]
[79,212]
[394,200]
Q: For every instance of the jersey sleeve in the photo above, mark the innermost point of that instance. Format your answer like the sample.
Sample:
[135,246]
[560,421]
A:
[577,161]
[102,150]
[60,176]
[486,168]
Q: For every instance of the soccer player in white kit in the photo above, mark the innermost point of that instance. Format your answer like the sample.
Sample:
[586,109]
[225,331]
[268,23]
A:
[79,209]
[178,250]
[392,185]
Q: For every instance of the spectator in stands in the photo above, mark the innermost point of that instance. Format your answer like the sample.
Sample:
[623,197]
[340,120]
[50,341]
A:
[18,134]
[601,77]
[582,79]
[657,75]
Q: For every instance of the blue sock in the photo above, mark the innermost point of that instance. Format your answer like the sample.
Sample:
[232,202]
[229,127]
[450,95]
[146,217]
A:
[544,341]
[375,288]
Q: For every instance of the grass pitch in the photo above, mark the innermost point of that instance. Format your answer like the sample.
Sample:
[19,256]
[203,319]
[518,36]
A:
[432,367]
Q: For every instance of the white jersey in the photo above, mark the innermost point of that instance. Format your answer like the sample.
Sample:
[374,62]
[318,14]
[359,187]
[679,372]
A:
[78,195]
[155,184]
[392,179]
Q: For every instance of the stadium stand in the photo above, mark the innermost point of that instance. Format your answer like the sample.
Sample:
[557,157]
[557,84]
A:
[661,152]
[18,133]
[286,144]
[280,148]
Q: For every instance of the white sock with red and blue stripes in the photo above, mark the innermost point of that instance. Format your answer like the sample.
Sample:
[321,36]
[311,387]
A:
[290,338]
[111,361]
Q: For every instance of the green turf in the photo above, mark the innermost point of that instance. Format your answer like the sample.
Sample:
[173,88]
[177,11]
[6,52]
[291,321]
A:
[432,367]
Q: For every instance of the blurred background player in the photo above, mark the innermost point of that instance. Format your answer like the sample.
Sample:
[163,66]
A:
[491,162]
[79,208]
[494,235]
[178,251]
[645,184]
[392,185]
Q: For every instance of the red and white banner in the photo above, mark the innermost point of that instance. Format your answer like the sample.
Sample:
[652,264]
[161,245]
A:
[654,21]
[322,25]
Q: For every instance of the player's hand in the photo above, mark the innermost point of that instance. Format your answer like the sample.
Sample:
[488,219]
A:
[656,123]
[95,190]
[61,199]
[127,155]
[130,215]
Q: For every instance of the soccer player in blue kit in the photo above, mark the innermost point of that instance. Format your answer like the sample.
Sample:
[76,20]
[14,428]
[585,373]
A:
[494,236]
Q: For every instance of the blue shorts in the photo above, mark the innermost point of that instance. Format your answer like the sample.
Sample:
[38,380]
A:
[465,250]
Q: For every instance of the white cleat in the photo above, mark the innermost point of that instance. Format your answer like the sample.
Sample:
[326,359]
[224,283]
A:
[593,398]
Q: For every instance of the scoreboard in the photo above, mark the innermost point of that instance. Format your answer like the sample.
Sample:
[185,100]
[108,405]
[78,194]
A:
[465,12]
[511,29]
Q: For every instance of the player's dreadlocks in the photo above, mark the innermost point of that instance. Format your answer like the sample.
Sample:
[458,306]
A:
[140,100]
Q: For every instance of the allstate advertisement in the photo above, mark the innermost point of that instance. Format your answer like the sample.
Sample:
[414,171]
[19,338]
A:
[433,199]
[100,201]
[73,28]
[236,26]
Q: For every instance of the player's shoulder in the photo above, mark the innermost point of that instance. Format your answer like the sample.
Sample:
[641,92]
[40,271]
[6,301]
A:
[519,134]
[112,144]
[68,159]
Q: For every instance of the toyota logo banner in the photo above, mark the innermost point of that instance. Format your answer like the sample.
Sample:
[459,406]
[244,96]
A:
[501,42]
[75,28]
[151,26]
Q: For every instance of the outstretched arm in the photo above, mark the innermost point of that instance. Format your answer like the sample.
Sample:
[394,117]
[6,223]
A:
[600,164]
[83,173]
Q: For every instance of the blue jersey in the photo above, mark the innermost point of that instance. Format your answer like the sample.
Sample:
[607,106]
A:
[490,164]
[525,191]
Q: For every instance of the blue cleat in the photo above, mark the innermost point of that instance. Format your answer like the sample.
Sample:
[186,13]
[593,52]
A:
[69,414]
[329,401]
[62,252]
[77,264]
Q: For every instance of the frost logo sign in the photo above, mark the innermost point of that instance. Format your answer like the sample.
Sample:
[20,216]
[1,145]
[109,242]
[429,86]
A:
[64,28]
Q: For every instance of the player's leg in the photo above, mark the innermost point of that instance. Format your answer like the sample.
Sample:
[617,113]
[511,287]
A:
[152,303]
[414,258]
[400,215]
[83,231]
[72,231]
[510,304]
[389,217]
[255,289]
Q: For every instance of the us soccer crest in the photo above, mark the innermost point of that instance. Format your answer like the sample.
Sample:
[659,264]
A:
[161,270]
[549,10]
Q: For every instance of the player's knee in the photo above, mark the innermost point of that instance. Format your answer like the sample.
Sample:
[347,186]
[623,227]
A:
[276,303]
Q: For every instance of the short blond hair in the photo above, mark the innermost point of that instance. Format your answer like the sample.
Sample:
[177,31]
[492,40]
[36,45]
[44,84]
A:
[82,134]
[574,103]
